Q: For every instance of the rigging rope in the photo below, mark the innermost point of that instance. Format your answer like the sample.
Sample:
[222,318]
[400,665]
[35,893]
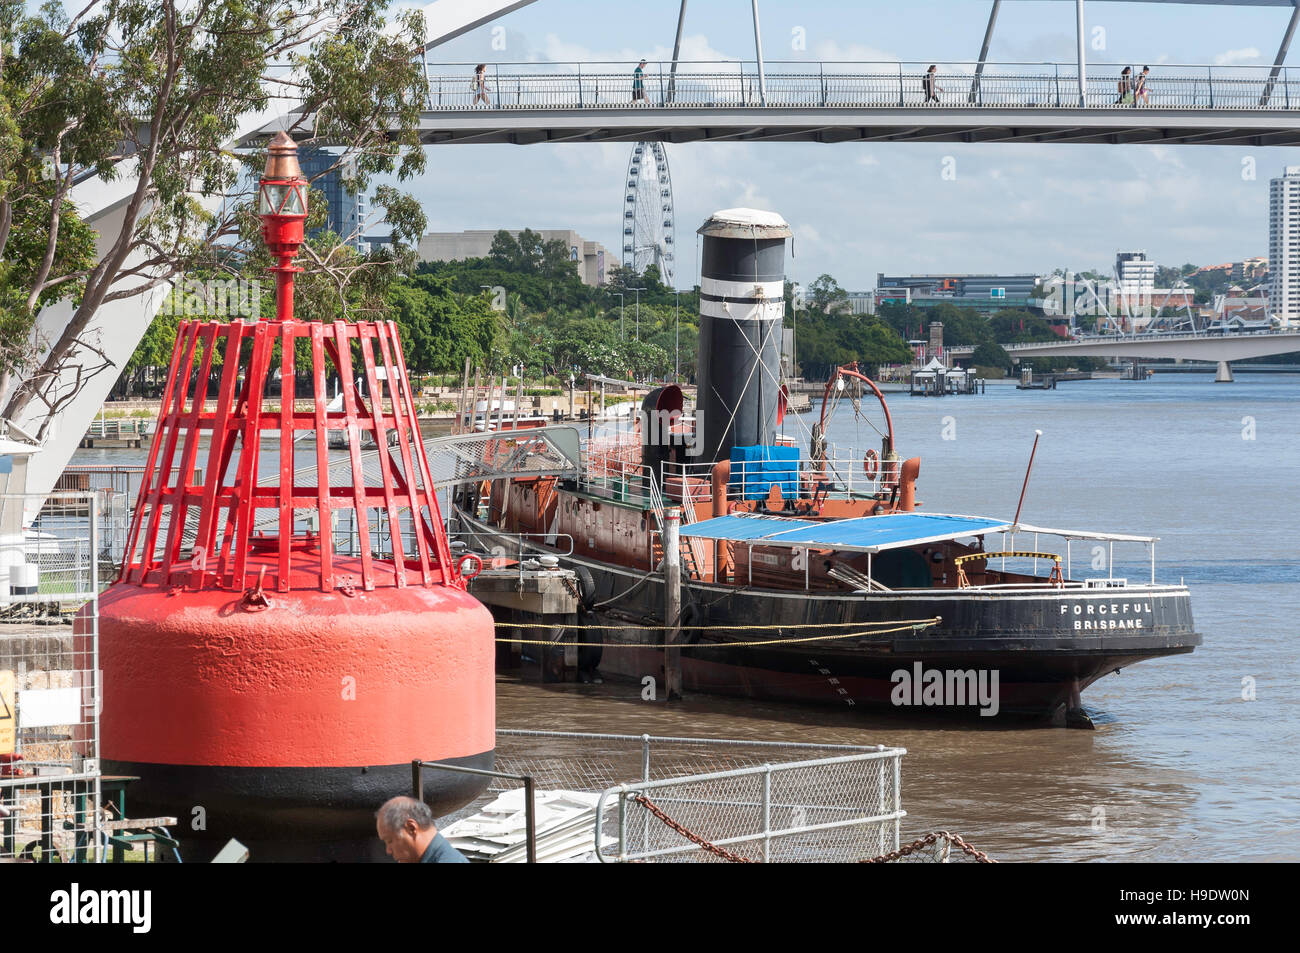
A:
[915,627]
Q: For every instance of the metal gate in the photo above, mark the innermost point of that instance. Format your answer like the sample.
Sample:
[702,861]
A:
[842,808]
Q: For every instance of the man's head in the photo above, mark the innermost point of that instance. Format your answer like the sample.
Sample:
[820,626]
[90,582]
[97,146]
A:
[406,827]
[643,62]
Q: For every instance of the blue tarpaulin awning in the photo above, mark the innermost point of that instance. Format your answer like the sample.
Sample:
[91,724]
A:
[743,527]
[865,534]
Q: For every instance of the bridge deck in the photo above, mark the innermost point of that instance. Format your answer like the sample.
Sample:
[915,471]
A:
[838,102]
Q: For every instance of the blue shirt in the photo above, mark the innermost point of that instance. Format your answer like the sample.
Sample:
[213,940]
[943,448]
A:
[440,851]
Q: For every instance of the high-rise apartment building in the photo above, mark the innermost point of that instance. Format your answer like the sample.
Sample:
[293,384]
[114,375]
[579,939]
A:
[1284,244]
[347,210]
[1136,274]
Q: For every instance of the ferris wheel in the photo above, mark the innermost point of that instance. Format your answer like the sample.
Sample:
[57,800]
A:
[648,212]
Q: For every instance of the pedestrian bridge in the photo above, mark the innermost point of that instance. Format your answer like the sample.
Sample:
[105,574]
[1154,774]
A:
[837,102]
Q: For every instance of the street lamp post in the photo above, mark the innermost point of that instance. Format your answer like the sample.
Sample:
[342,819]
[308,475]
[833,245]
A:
[677,342]
[619,296]
[638,310]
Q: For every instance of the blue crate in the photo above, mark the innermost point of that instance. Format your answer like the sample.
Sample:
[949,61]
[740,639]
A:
[754,471]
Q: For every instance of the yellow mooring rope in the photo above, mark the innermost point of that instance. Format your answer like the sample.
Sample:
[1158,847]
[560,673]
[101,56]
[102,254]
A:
[720,628]
[916,625]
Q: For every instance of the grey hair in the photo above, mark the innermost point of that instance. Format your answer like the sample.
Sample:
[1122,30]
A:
[394,813]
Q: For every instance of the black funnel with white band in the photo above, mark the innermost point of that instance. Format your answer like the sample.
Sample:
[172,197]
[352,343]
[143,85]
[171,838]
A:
[742,304]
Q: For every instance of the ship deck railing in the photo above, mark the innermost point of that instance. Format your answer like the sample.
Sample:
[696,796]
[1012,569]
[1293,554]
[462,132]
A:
[1101,558]
[613,469]
[502,550]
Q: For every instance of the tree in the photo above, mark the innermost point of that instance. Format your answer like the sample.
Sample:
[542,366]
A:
[440,329]
[152,92]
[652,283]
[908,320]
[1012,326]
[826,296]
[505,250]
[990,354]
[961,326]
[621,278]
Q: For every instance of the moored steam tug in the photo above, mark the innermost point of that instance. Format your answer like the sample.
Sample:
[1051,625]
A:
[953,613]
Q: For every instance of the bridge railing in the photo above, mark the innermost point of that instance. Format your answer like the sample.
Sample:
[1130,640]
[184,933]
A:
[801,84]
[1144,336]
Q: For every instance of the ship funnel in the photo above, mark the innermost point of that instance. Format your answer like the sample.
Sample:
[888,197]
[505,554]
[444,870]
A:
[742,303]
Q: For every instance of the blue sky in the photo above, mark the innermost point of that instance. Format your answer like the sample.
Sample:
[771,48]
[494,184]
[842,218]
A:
[861,208]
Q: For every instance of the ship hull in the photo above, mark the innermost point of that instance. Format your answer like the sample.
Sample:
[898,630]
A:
[1022,652]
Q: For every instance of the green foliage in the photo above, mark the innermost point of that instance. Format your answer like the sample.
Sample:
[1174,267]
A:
[440,329]
[1012,326]
[989,354]
[541,278]
[154,91]
[825,296]
[828,334]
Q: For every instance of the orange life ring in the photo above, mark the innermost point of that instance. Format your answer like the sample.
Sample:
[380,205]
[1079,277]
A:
[871,464]
[460,566]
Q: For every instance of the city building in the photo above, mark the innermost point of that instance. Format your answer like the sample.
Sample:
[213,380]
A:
[1249,269]
[1284,244]
[1135,273]
[345,211]
[591,257]
[984,293]
[862,302]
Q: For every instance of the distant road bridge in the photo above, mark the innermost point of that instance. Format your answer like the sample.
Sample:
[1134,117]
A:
[1219,348]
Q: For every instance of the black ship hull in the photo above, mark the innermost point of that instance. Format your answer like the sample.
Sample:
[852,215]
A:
[1014,652]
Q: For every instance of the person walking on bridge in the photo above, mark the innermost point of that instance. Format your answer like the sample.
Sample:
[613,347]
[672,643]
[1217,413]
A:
[479,85]
[1125,87]
[1140,87]
[930,85]
[638,83]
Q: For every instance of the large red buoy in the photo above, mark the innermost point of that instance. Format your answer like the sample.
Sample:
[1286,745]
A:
[280,645]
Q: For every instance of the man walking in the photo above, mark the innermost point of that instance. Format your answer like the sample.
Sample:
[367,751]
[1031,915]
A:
[406,827]
[638,82]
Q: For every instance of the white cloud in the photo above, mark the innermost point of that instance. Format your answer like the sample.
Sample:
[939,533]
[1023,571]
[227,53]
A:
[833,50]
[806,233]
[695,47]
[1234,57]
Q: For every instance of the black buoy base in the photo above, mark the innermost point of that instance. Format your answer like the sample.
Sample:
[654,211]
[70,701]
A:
[287,814]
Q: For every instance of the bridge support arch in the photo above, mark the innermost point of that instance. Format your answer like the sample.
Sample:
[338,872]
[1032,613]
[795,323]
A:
[1224,373]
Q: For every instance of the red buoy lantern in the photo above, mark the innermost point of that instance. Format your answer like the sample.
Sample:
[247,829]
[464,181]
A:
[290,631]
